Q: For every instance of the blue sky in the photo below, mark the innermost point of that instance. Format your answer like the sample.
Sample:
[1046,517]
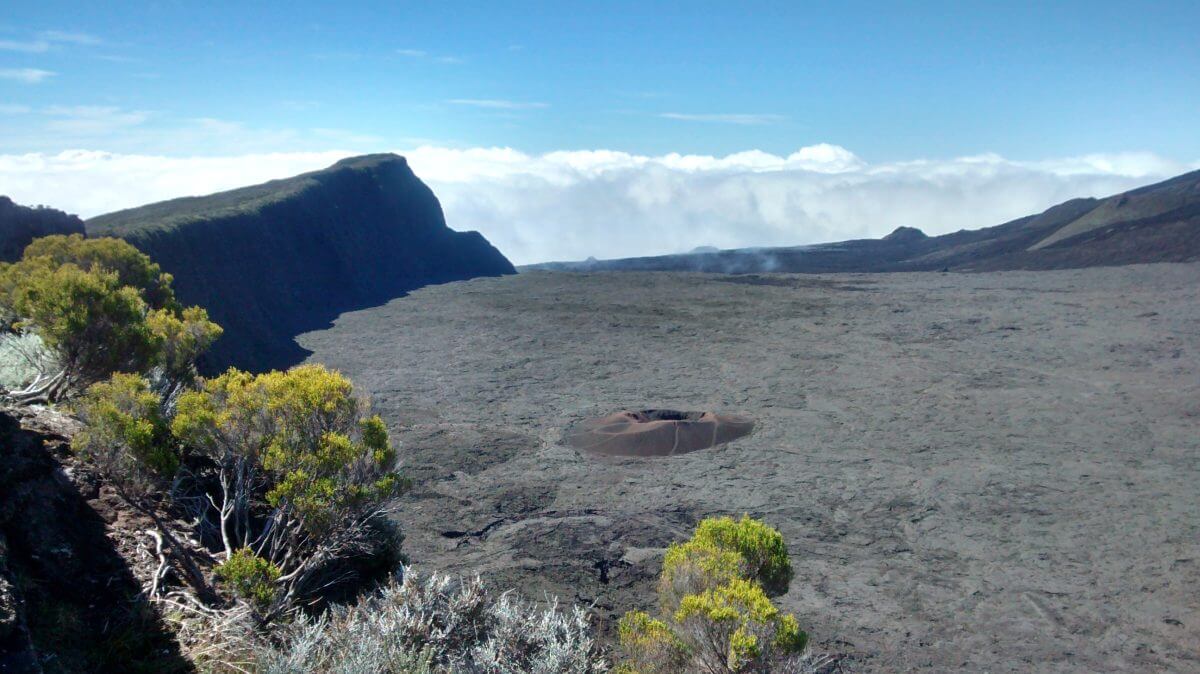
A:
[1027,84]
[891,80]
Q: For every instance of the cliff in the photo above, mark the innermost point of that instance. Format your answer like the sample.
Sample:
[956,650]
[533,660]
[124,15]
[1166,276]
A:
[20,224]
[274,260]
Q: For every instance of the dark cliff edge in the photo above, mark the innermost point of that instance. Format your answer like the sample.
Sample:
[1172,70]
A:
[21,224]
[275,260]
[1157,223]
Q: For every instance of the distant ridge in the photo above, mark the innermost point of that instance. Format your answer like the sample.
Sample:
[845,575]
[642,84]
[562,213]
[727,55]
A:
[1156,223]
[288,256]
[21,224]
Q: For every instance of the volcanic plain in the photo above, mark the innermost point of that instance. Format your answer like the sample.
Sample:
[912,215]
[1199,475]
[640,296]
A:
[994,471]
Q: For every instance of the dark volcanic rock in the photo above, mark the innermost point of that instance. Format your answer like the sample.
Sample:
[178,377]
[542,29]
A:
[21,224]
[69,599]
[1157,223]
[281,258]
[957,462]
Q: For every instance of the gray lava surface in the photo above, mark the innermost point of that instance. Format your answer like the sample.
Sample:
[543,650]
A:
[997,472]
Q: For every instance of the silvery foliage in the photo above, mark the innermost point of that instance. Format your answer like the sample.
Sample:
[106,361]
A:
[436,624]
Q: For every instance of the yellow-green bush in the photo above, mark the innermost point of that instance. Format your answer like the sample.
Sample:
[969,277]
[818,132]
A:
[124,432]
[650,643]
[132,267]
[763,551]
[739,624]
[98,306]
[295,452]
[304,429]
[716,612]
[694,567]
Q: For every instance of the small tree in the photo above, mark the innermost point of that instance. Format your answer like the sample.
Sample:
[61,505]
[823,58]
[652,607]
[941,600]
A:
[98,306]
[716,613]
[303,469]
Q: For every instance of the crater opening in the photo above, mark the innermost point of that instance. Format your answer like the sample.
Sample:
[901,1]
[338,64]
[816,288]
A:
[657,432]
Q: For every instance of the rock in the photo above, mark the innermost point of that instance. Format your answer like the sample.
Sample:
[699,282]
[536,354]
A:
[66,589]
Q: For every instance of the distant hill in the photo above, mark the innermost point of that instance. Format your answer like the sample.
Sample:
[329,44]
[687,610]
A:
[274,260]
[21,224]
[1157,223]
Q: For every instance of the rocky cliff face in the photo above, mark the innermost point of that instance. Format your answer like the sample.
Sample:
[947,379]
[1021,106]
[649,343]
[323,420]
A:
[275,260]
[20,224]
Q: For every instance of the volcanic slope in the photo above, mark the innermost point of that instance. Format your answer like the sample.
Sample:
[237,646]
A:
[1157,223]
[273,260]
[989,472]
[21,224]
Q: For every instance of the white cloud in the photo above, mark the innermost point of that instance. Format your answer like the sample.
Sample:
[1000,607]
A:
[92,119]
[70,37]
[14,109]
[25,75]
[422,54]
[30,47]
[742,119]
[47,39]
[572,204]
[497,104]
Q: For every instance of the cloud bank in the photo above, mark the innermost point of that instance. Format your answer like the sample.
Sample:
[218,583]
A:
[575,204]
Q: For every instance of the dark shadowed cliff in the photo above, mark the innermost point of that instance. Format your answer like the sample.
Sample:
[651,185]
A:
[1157,223]
[288,256]
[20,224]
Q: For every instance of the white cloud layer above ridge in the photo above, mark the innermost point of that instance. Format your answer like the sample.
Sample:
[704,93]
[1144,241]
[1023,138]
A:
[573,204]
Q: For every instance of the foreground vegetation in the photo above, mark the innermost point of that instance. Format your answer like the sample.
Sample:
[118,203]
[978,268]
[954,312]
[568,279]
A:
[97,306]
[715,610]
[288,561]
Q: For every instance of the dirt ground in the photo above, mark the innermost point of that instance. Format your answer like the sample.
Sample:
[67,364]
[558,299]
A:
[996,472]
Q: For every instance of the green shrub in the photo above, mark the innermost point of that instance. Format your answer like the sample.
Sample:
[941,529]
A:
[98,306]
[132,267]
[251,577]
[124,433]
[716,612]
[693,567]
[651,643]
[763,551]
[737,623]
[298,456]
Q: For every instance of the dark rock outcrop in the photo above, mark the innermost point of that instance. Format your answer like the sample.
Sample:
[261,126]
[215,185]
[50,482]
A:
[275,260]
[1157,223]
[21,224]
[69,599]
